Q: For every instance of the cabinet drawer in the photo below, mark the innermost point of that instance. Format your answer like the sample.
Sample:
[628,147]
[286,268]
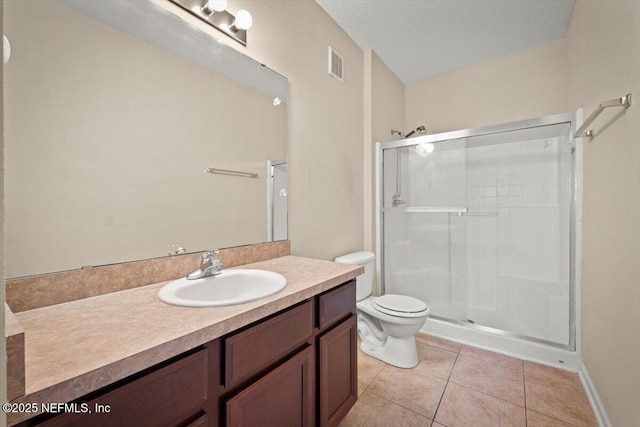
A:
[336,304]
[168,396]
[254,349]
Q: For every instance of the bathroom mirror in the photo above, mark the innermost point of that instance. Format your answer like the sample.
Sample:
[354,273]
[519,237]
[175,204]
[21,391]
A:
[114,112]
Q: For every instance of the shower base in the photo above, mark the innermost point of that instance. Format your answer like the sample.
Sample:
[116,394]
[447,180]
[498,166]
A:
[503,343]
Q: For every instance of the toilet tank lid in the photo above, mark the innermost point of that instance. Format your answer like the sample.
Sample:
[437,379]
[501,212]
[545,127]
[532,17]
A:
[358,258]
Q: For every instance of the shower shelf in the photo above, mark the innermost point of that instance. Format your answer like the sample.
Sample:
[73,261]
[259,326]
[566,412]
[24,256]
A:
[446,210]
[494,213]
[427,209]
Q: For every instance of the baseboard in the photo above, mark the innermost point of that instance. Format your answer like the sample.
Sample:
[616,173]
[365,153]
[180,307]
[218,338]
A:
[594,397]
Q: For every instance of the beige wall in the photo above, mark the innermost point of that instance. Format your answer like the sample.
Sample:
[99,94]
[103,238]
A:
[520,86]
[387,101]
[603,62]
[386,111]
[325,122]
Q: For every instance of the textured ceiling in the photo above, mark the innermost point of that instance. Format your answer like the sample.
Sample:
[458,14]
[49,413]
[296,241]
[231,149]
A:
[419,39]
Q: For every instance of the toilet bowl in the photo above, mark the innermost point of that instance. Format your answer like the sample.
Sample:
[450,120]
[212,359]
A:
[387,325]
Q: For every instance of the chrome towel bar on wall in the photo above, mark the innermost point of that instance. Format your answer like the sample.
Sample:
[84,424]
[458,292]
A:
[624,102]
[234,173]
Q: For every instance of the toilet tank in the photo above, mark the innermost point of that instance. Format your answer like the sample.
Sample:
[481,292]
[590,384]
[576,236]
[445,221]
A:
[364,282]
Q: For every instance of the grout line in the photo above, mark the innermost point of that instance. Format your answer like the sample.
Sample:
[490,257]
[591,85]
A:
[487,394]
[402,406]
[453,367]
[495,363]
[554,418]
[437,348]
[445,388]
[443,339]
[439,402]
[374,378]
[500,366]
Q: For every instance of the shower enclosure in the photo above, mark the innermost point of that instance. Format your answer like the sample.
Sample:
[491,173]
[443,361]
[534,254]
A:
[480,225]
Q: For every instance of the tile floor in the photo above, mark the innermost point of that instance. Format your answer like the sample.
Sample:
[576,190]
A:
[457,385]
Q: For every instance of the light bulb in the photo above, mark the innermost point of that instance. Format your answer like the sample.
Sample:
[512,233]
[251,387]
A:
[213,6]
[277,101]
[243,20]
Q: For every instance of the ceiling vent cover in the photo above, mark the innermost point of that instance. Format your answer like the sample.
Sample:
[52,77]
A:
[336,65]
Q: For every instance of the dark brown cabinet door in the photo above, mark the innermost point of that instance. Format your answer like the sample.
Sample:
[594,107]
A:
[282,398]
[170,396]
[338,372]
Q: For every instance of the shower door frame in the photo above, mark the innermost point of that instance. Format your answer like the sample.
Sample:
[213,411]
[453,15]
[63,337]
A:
[574,212]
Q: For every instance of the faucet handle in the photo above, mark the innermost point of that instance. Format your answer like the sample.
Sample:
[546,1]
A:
[211,256]
[216,256]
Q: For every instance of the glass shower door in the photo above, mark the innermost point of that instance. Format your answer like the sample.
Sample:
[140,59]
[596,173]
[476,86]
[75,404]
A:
[518,231]
[424,196]
[480,228]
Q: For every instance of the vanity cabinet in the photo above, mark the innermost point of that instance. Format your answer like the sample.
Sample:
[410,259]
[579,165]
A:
[311,352]
[294,368]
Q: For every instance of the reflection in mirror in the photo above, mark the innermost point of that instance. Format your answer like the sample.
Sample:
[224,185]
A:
[277,203]
[109,136]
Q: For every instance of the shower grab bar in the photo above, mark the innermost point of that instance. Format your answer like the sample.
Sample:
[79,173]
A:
[624,102]
[233,173]
[427,209]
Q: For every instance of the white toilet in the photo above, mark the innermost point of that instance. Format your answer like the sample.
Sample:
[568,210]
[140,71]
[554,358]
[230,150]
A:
[387,325]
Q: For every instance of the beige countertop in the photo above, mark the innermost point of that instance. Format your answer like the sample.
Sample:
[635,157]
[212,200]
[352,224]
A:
[77,347]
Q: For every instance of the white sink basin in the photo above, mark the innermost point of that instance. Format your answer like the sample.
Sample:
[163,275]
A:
[227,288]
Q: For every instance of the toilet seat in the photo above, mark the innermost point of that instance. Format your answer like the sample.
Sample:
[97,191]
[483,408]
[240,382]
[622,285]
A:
[400,305]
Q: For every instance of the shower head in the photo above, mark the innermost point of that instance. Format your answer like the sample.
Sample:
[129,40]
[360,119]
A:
[418,130]
[393,132]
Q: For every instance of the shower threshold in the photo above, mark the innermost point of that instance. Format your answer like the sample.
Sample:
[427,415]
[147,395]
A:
[508,343]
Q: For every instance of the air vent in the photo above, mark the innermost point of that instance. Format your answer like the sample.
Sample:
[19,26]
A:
[336,65]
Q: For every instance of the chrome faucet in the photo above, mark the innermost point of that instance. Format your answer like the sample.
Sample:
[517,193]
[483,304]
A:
[210,265]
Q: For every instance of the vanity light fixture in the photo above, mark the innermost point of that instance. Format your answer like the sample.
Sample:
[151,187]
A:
[213,13]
